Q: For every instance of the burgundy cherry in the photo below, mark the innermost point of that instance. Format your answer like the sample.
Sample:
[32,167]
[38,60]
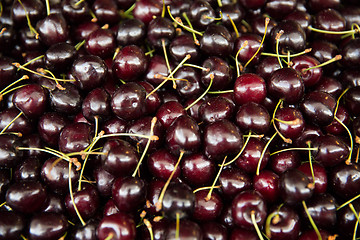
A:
[130,31]
[168,112]
[66,101]
[75,137]
[104,181]
[183,45]
[216,109]
[320,175]
[344,181]
[118,226]
[48,226]
[28,170]
[187,230]
[310,77]
[106,11]
[249,87]
[247,52]
[96,104]
[101,42]
[219,69]
[197,170]
[207,209]
[254,117]
[145,10]
[234,181]
[53,29]
[162,163]
[214,230]
[160,31]
[289,122]
[329,20]
[216,41]
[11,225]
[201,14]
[267,184]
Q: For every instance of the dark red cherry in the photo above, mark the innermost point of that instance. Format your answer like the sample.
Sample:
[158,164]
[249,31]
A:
[100,42]
[75,137]
[28,170]
[162,163]
[310,77]
[75,12]
[67,101]
[350,53]
[249,87]
[145,10]
[197,170]
[221,138]
[8,71]
[213,230]
[253,4]
[21,124]
[179,201]
[130,31]
[244,205]
[258,25]
[50,125]
[83,30]
[323,51]
[311,234]
[285,224]
[219,69]
[104,181]
[60,56]
[253,116]
[12,225]
[352,101]
[289,122]
[47,226]
[201,14]
[10,156]
[26,197]
[183,45]
[159,229]
[130,63]
[295,187]
[240,233]
[190,88]
[320,174]
[87,232]
[35,9]
[318,107]
[160,30]
[53,29]
[157,69]
[247,52]
[293,39]
[129,193]
[302,17]
[207,209]
[106,11]
[335,127]
[283,161]
[234,11]
[267,184]
[234,181]
[346,219]
[216,109]
[279,8]
[187,230]
[128,102]
[110,208]
[96,103]
[286,84]
[89,71]
[216,41]
[168,112]
[118,226]
[31,100]
[329,20]
[331,85]
[86,200]
[344,180]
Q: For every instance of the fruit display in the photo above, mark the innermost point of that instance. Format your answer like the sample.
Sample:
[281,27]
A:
[179,119]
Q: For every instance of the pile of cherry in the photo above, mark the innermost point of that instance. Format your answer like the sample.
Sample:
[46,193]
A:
[179,119]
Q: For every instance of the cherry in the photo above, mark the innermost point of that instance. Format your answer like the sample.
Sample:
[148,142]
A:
[83,30]
[289,122]
[329,20]
[100,42]
[26,197]
[104,181]
[258,26]
[129,193]
[254,117]
[302,17]
[219,69]
[179,201]
[249,87]
[214,230]
[59,57]
[34,9]
[162,164]
[207,209]
[145,10]
[118,226]
[295,187]
[96,104]
[346,219]
[286,84]
[50,125]
[75,12]
[191,87]
[110,208]
[234,181]
[343,180]
[8,71]
[267,184]
[201,14]
[106,11]
[240,233]
[221,138]
[216,109]
[11,225]
[168,112]
[53,29]
[330,85]
[302,63]
[130,31]
[48,226]
[197,170]
[352,101]
[21,124]
[320,175]
[249,208]
[89,71]
[87,232]
[128,101]
[160,32]
[278,8]
[75,137]
[187,230]
[55,174]
[335,127]
[324,51]
[28,170]
[130,63]
[159,229]
[183,45]
[247,52]
[216,41]
[232,11]
[311,234]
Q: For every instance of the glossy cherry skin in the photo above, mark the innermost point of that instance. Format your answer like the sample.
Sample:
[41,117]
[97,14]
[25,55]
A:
[295,187]
[221,71]
[221,138]
[214,230]
[190,88]
[60,56]
[101,42]
[207,209]
[311,234]
[119,225]
[247,203]
[332,85]
[352,101]
[267,184]
[162,163]
[234,181]
[66,101]
[197,170]
[310,77]
[11,225]
[320,174]
[240,233]
[335,127]
[188,230]
[278,8]
[129,193]
[331,150]
[254,117]
[286,84]
[26,197]
[47,226]
[289,122]
[216,109]
[130,63]
[159,30]
[159,229]
[145,10]
[344,181]
[179,201]
[168,112]
[35,10]
[96,103]
[128,102]
[216,41]
[197,12]
[89,71]
[50,126]
[53,29]
[247,52]
[183,45]
[287,225]
[28,170]
[75,12]
[9,155]
[56,176]
[75,137]
[87,232]
[249,87]
[104,181]
[318,107]
[346,219]
[329,20]
[130,31]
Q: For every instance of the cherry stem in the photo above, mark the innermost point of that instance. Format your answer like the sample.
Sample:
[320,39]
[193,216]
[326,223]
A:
[205,188]
[32,29]
[72,196]
[196,41]
[287,140]
[291,55]
[253,220]
[129,10]
[47,150]
[355,25]
[47,7]
[236,57]
[240,152]
[278,35]
[311,221]
[263,153]
[79,45]
[234,26]
[78,2]
[1,9]
[310,163]
[150,52]
[291,149]
[149,227]
[162,194]
[177,232]
[219,3]
[267,20]
[32,60]
[336,58]
[208,197]
[23,237]
[202,95]
[163,9]
[351,139]
[13,83]
[221,92]
[196,66]
[167,59]
[153,122]
[271,217]
[214,18]
[2,204]
[110,236]
[188,56]
[347,202]
[338,100]
[42,75]
[333,32]
[247,25]
[190,29]
[58,85]
[357,217]
[8,125]
[357,155]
